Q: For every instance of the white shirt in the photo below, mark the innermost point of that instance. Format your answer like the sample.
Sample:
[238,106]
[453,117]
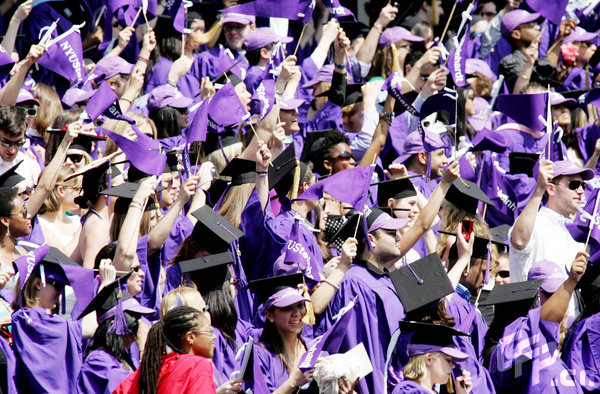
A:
[29,169]
[550,240]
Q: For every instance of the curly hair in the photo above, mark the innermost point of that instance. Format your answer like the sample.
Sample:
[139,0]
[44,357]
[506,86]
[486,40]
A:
[322,148]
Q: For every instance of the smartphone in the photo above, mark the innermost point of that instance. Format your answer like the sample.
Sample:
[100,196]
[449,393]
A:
[467,228]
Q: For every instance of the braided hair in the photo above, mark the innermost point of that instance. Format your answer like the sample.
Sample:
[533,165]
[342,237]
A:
[169,331]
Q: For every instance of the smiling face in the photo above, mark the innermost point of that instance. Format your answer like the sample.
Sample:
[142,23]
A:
[235,34]
[134,283]
[243,95]
[19,222]
[287,320]
[9,146]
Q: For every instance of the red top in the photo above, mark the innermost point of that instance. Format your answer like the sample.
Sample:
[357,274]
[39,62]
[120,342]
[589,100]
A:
[179,373]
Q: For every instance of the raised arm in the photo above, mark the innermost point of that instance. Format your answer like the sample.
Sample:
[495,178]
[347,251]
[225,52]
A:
[262,171]
[8,42]
[555,308]
[465,250]
[367,49]
[10,91]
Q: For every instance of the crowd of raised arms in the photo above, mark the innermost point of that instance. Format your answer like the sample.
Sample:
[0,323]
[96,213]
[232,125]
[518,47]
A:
[299,196]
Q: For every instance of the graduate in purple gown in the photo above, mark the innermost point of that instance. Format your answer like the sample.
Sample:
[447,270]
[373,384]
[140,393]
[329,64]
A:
[429,356]
[526,357]
[107,361]
[38,333]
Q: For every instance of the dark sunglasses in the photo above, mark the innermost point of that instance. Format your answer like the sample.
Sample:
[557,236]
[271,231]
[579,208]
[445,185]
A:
[575,184]
[8,143]
[136,269]
[503,274]
[23,213]
[183,111]
[75,157]
[488,14]
[28,190]
[344,156]
[58,286]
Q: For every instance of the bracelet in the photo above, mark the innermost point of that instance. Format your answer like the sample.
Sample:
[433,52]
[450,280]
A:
[336,287]
[126,99]
[262,173]
[524,77]
[386,116]
[144,59]
[172,83]
[342,65]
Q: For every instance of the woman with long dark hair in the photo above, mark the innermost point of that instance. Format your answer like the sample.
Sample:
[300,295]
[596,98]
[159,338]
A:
[177,356]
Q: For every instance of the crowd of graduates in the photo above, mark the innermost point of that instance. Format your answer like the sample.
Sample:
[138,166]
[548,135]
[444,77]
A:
[272,196]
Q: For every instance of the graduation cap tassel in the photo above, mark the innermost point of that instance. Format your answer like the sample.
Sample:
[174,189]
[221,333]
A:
[486,276]
[109,173]
[309,317]
[119,325]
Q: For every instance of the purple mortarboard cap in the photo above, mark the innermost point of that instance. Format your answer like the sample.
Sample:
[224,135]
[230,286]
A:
[552,274]
[112,65]
[565,167]
[579,35]
[420,338]
[557,99]
[489,140]
[75,95]
[477,65]
[25,96]
[232,17]
[262,37]
[323,75]
[395,34]
[288,104]
[167,95]
[481,119]
[511,20]
[413,144]
[27,262]
[524,108]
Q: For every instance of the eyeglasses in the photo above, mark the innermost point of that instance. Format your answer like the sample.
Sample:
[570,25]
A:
[233,282]
[503,274]
[344,156]
[75,157]
[28,190]
[31,112]
[491,14]
[135,269]
[58,286]
[391,233]
[574,184]
[8,143]
[23,213]
[203,332]
[529,25]
[183,111]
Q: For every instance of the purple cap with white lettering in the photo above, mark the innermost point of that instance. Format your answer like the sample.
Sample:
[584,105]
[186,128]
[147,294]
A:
[285,297]
[552,274]
[232,17]
[167,95]
[111,66]
[565,167]
[513,19]
[395,34]
[580,35]
[413,144]
[262,37]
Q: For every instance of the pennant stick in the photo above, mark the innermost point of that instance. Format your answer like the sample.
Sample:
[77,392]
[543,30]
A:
[592,222]
[136,17]
[299,39]
[357,224]
[147,23]
[549,124]
[118,272]
[448,22]
[587,76]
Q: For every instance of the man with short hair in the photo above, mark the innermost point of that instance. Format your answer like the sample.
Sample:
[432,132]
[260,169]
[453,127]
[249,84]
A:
[13,124]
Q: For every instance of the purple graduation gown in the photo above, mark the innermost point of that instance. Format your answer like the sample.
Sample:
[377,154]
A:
[159,75]
[100,373]
[410,387]
[521,142]
[576,79]
[526,358]
[182,229]
[47,351]
[328,117]
[271,368]
[149,296]
[224,362]
[581,353]
[376,315]
[469,320]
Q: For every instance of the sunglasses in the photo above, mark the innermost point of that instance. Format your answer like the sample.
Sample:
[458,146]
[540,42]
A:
[183,111]
[344,156]
[31,112]
[389,232]
[28,190]
[136,269]
[23,213]
[58,286]
[8,143]
[574,184]
[503,274]
[75,157]
[489,14]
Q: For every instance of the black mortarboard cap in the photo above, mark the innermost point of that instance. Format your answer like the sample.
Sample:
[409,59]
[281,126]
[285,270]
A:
[208,272]
[266,287]
[513,292]
[241,171]
[395,188]
[355,30]
[215,141]
[422,282]
[480,246]
[94,178]
[591,277]
[213,231]
[106,297]
[83,141]
[522,162]
[353,94]
[430,334]
[466,195]
[500,234]
[10,177]
[221,80]
[312,143]
[347,230]
[125,193]
[574,94]
[281,173]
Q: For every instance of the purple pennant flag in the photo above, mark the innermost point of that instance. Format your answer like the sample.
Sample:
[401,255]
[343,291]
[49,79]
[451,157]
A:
[524,108]
[65,56]
[587,218]
[265,96]
[458,59]
[176,9]
[330,341]
[143,153]
[498,189]
[225,109]
[591,97]
[104,102]
[445,100]
[198,123]
[394,87]
[297,257]
[25,264]
[273,68]
[126,15]
[556,152]
[112,6]
[298,10]
[6,63]
[337,10]
[350,186]
[553,10]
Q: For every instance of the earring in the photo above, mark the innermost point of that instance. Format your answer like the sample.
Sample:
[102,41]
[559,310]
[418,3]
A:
[191,343]
[8,231]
